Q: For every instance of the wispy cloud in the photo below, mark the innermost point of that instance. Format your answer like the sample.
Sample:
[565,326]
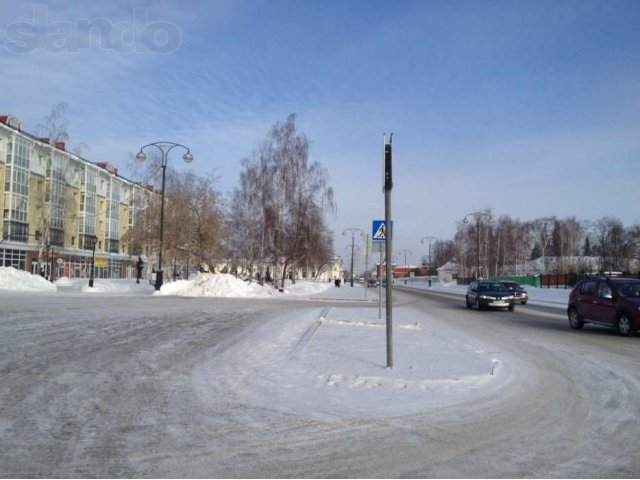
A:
[529,108]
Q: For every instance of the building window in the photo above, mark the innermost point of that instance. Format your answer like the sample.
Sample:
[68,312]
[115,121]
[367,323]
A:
[113,246]
[12,258]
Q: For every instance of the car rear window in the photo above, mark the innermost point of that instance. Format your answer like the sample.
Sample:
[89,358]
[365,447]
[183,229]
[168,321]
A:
[629,289]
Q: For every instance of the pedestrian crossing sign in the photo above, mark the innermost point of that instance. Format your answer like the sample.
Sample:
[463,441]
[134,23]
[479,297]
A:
[379,231]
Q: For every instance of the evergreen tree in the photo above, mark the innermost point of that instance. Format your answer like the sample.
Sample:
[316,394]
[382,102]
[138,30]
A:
[587,247]
[536,252]
[555,249]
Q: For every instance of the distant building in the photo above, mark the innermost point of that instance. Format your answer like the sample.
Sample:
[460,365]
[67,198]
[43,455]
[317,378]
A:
[384,266]
[448,272]
[56,205]
[406,271]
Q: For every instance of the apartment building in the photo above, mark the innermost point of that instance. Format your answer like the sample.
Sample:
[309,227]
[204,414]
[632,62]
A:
[57,207]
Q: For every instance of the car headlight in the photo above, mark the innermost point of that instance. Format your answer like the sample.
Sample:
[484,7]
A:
[485,297]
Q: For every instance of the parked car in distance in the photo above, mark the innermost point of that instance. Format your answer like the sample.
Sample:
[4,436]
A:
[489,294]
[608,301]
[372,282]
[520,295]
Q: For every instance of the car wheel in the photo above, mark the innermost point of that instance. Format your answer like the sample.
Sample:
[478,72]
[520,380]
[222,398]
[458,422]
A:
[512,307]
[468,302]
[523,303]
[574,319]
[626,326]
[477,304]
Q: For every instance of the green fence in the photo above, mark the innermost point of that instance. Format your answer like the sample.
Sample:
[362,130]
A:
[532,280]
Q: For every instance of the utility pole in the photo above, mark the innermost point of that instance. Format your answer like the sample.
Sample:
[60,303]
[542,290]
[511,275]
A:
[429,239]
[388,185]
[405,255]
[366,264]
[353,231]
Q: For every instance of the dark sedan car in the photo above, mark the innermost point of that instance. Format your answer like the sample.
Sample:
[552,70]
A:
[487,294]
[520,295]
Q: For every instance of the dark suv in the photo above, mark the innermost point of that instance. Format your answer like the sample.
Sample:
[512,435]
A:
[520,295]
[485,294]
[612,302]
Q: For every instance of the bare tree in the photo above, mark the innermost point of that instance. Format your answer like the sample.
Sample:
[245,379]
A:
[603,230]
[55,131]
[505,245]
[193,221]
[286,195]
[441,252]
[541,232]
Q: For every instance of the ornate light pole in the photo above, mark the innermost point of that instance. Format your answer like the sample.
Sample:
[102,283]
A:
[94,240]
[428,239]
[477,216]
[165,148]
[353,231]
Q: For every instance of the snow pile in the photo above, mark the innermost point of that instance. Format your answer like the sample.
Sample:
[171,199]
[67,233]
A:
[19,280]
[105,285]
[202,285]
[216,285]
[306,288]
[335,366]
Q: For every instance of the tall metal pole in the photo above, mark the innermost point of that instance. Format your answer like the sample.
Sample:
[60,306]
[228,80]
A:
[405,255]
[380,285]
[353,231]
[366,265]
[429,239]
[159,274]
[352,245]
[93,262]
[430,264]
[388,185]
[51,266]
[165,148]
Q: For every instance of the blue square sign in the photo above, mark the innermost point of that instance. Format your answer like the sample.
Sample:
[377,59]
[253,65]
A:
[379,231]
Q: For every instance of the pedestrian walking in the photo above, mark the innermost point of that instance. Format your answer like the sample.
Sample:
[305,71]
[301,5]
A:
[139,267]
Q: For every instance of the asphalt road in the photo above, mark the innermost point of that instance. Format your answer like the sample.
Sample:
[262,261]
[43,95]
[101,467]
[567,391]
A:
[102,387]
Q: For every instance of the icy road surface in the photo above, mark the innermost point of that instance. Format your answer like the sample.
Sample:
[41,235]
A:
[163,386]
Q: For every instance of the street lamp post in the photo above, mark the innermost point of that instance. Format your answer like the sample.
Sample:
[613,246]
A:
[93,262]
[406,273]
[165,148]
[428,239]
[353,231]
[477,216]
[405,255]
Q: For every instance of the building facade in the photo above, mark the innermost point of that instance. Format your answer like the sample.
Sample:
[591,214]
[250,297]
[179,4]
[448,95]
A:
[58,207]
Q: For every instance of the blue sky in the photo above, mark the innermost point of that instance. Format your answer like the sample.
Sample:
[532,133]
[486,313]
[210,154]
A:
[531,108]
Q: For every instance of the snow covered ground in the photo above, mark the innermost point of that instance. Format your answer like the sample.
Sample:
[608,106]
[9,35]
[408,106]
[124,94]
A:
[224,285]
[332,364]
[218,378]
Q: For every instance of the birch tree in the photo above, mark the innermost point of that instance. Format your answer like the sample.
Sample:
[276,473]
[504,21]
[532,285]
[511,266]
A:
[286,195]
[55,130]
